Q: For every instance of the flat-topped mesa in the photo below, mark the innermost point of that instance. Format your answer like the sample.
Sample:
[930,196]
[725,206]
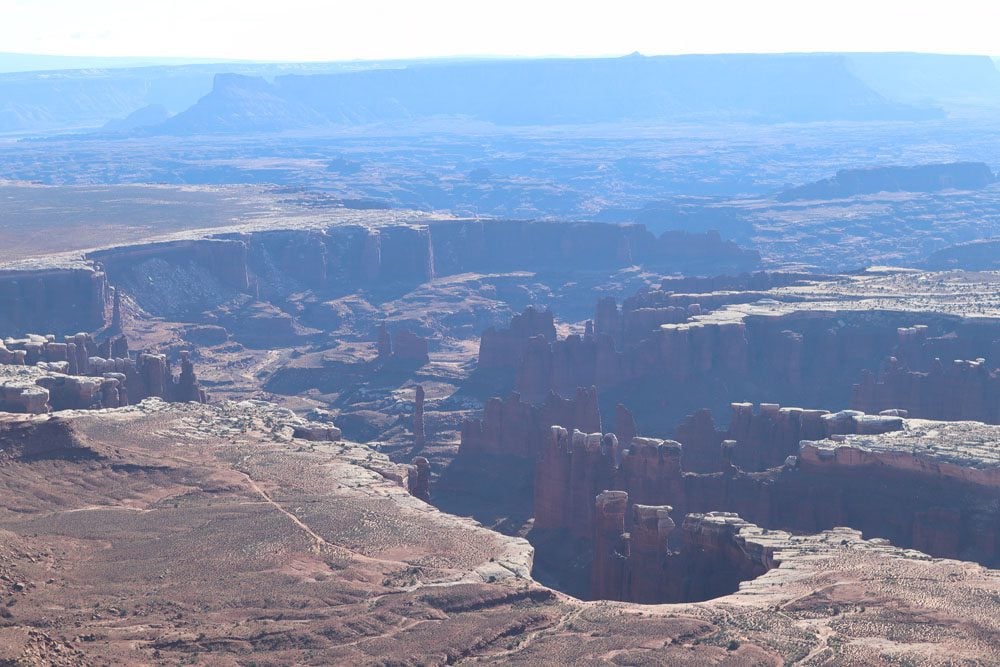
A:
[504,348]
[224,258]
[53,299]
[513,427]
[960,390]
[963,451]
[920,178]
[525,245]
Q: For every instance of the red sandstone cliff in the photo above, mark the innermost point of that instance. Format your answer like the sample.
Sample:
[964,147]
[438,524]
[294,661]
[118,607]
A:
[513,427]
[916,495]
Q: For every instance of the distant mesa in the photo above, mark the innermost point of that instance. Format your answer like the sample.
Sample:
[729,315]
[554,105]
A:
[263,97]
[152,114]
[978,255]
[746,88]
[921,178]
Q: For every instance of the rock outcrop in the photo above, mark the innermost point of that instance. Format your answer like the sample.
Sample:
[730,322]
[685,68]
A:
[456,588]
[922,178]
[768,351]
[70,376]
[756,440]
[60,300]
[920,484]
[513,427]
[419,436]
[504,348]
[959,390]
[419,480]
[410,348]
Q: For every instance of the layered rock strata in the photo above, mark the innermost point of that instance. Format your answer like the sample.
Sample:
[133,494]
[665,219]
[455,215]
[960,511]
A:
[763,438]
[70,377]
[53,299]
[960,389]
[920,484]
[504,348]
[513,427]
[339,564]
[184,277]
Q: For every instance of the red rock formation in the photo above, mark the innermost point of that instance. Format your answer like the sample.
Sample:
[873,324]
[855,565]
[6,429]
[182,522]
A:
[504,348]
[419,438]
[625,428]
[926,485]
[577,466]
[62,300]
[186,389]
[317,432]
[681,352]
[371,256]
[419,479]
[225,258]
[649,527]
[610,545]
[23,395]
[960,390]
[116,311]
[513,427]
[608,319]
[409,347]
[76,380]
[383,342]
[510,245]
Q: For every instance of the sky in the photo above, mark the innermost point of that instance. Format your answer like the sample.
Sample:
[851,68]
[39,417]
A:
[315,30]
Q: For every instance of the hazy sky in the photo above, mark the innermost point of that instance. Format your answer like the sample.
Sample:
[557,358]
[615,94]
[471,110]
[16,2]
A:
[366,29]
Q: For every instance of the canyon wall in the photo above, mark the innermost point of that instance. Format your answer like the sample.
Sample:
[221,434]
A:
[958,390]
[924,485]
[508,245]
[662,370]
[504,348]
[513,427]
[183,278]
[59,300]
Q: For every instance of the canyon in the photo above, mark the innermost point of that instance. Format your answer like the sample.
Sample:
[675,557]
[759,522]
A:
[632,446]
[639,360]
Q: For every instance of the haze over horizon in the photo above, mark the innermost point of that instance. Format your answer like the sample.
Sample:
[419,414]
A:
[308,30]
